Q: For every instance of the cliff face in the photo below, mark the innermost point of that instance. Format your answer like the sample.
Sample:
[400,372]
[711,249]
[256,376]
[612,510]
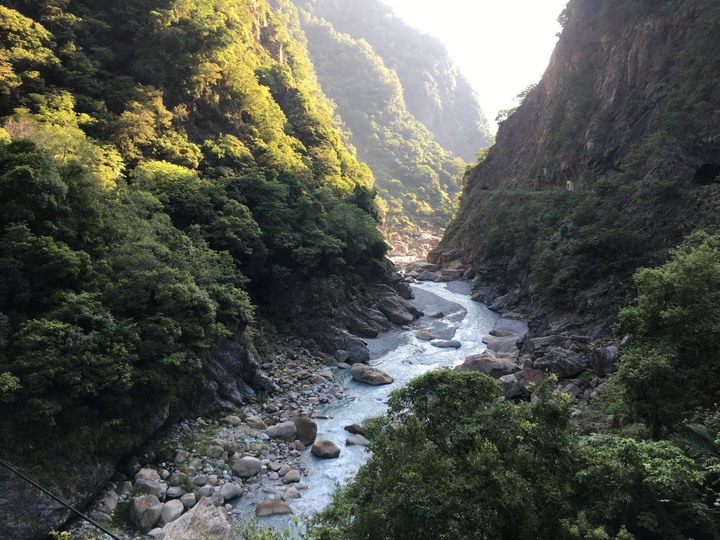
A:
[617,145]
[435,92]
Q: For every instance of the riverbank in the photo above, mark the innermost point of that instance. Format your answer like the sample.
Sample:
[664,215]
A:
[200,456]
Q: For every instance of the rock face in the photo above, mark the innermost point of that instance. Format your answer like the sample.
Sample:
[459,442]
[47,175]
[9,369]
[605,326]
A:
[326,450]
[370,375]
[204,521]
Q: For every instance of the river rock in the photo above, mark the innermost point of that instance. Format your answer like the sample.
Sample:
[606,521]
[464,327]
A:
[231,490]
[494,364]
[446,343]
[232,420]
[562,362]
[109,501]
[158,489]
[189,500]
[272,507]
[306,430]
[256,422]
[292,477]
[101,517]
[370,375]
[171,511]
[145,511]
[395,311]
[357,440]
[214,452]
[177,479]
[501,344]
[182,456]
[425,335]
[175,492]
[246,467]
[326,450]
[204,521]
[148,474]
[284,430]
[357,350]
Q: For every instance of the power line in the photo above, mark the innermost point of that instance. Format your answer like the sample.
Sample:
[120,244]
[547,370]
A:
[46,492]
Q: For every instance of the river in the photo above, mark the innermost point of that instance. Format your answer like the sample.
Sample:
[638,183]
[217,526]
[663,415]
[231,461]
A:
[403,356]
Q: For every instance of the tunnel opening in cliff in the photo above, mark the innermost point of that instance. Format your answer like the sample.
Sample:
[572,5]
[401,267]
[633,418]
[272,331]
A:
[707,174]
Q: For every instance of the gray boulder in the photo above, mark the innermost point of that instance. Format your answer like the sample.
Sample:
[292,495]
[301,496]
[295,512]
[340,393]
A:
[491,363]
[326,450]
[145,512]
[171,511]
[231,490]
[284,430]
[446,343]
[158,489]
[246,467]
[272,507]
[370,375]
[205,520]
[306,430]
[562,362]
[395,311]
[357,440]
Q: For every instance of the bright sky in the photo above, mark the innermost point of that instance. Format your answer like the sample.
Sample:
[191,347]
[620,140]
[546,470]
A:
[500,46]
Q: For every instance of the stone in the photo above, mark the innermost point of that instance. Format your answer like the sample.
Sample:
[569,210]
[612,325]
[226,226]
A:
[147,474]
[182,456]
[572,390]
[232,420]
[425,335]
[217,499]
[214,451]
[171,511]
[175,492]
[284,430]
[341,355]
[189,500]
[256,422]
[205,520]
[145,512]
[326,450]
[501,344]
[158,489]
[370,375]
[284,470]
[357,350]
[109,501]
[292,493]
[306,430]
[357,440]
[204,491]
[101,517]
[177,479]
[155,533]
[247,467]
[274,466]
[292,477]
[562,362]
[446,343]
[357,429]
[395,311]
[511,385]
[272,507]
[231,490]
[491,363]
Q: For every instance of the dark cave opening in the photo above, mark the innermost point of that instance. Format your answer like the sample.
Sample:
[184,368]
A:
[707,174]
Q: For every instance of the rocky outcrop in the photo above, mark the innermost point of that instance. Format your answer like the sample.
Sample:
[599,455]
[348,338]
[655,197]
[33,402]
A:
[491,363]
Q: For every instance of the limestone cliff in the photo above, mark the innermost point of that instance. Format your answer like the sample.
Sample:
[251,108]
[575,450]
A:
[609,161]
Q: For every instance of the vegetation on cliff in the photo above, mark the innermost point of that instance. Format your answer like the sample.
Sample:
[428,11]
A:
[167,168]
[405,106]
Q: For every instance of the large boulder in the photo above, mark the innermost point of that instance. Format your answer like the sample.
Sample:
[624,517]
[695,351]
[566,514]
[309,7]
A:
[145,512]
[306,430]
[231,490]
[205,520]
[395,310]
[491,363]
[370,375]
[562,362]
[246,467]
[506,344]
[284,430]
[272,507]
[326,450]
[172,511]
[357,350]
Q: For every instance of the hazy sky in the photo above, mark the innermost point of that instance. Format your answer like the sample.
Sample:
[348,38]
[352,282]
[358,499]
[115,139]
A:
[500,46]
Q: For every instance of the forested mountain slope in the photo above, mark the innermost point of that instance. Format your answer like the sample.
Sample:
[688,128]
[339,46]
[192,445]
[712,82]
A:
[406,106]
[610,160]
[169,170]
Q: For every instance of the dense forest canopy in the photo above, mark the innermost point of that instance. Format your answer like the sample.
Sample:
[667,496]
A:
[169,170]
